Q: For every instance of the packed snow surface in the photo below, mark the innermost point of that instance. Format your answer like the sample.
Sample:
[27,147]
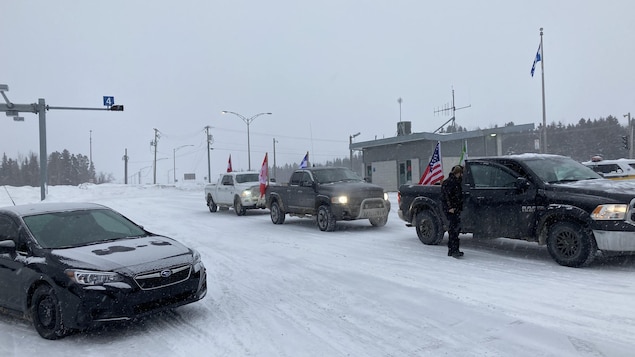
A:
[292,290]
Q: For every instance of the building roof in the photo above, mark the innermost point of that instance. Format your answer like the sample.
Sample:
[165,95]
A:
[462,135]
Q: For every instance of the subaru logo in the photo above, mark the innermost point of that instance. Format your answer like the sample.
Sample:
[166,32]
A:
[166,273]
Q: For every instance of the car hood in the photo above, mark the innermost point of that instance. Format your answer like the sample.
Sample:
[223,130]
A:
[132,255]
[621,191]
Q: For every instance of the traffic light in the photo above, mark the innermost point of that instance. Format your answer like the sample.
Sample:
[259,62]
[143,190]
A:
[117,108]
[625,142]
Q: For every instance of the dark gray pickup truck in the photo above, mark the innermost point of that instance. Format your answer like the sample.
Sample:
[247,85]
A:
[549,199]
[330,194]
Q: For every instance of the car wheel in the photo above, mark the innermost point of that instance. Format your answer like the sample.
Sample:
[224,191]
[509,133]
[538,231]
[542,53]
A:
[428,227]
[277,215]
[46,313]
[570,244]
[378,222]
[210,203]
[238,207]
[325,219]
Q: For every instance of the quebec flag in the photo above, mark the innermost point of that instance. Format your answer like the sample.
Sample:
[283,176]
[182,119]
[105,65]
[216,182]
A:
[536,60]
[305,162]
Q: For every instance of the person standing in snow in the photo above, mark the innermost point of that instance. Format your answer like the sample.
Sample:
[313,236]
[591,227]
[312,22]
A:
[452,202]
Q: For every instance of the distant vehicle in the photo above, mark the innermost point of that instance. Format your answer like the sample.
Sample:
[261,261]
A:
[550,199]
[239,190]
[69,266]
[330,194]
[620,169]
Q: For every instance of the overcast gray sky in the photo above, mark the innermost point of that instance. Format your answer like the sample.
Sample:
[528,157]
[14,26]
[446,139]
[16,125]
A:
[325,69]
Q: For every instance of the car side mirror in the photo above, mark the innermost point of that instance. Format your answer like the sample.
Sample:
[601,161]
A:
[522,184]
[7,246]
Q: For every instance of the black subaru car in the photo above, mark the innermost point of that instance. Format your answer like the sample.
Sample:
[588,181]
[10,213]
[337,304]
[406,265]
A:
[70,266]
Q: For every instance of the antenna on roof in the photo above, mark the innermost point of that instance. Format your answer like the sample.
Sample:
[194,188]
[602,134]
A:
[449,110]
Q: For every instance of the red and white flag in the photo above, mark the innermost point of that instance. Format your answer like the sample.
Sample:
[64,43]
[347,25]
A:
[434,170]
[264,175]
[229,164]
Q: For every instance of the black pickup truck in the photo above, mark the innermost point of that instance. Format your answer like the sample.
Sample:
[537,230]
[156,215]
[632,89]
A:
[549,199]
[330,194]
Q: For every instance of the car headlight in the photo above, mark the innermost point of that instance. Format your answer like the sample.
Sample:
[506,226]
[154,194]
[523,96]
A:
[609,212]
[246,193]
[196,256]
[86,277]
[385,196]
[340,199]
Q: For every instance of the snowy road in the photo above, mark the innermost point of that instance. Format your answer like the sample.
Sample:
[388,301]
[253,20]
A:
[291,290]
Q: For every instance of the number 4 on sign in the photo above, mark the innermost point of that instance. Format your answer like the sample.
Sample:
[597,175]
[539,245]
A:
[109,101]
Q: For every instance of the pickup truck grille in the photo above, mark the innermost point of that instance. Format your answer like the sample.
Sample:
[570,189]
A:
[373,204]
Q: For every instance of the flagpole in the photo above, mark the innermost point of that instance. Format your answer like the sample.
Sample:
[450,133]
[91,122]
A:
[544,112]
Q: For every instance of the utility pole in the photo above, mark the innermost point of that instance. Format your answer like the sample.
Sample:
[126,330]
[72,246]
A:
[154,143]
[125,167]
[274,157]
[350,143]
[91,148]
[40,108]
[210,141]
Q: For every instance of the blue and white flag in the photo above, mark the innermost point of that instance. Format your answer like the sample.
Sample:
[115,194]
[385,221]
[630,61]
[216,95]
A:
[536,60]
[305,162]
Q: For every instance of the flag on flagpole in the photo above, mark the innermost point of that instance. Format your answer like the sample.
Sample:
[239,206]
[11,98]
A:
[305,162]
[463,153]
[229,164]
[536,60]
[434,171]
[264,175]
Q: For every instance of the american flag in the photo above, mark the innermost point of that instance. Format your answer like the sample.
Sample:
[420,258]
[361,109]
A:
[434,170]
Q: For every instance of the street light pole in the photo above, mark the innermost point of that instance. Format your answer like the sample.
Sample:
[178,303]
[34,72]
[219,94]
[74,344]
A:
[247,121]
[630,135]
[40,108]
[174,159]
[350,143]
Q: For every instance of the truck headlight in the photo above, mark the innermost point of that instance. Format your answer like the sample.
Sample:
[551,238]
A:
[385,196]
[86,277]
[609,212]
[340,200]
[246,193]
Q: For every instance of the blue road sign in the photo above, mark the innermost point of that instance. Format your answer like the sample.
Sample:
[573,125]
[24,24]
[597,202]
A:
[109,101]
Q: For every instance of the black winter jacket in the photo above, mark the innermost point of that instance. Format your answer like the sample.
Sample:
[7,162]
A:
[452,194]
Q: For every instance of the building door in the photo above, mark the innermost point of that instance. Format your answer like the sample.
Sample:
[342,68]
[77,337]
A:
[405,172]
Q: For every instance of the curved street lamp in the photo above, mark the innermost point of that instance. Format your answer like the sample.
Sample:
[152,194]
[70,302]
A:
[247,121]
[174,160]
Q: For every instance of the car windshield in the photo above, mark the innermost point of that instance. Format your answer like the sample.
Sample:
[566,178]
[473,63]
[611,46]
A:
[242,178]
[83,227]
[335,175]
[560,169]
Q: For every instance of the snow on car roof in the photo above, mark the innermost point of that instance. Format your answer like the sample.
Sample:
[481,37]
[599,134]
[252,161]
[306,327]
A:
[39,208]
